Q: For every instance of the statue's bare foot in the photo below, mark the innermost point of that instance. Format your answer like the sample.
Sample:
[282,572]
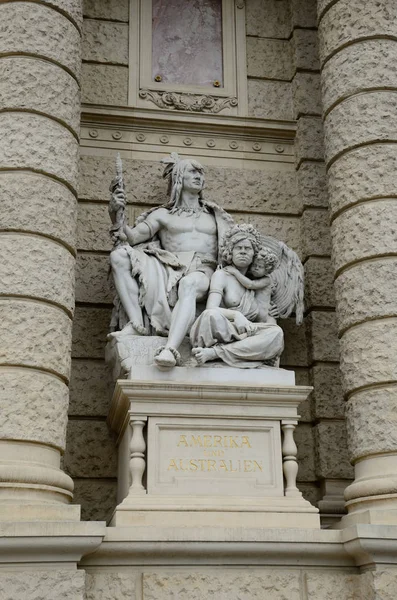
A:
[130,329]
[203,355]
[166,359]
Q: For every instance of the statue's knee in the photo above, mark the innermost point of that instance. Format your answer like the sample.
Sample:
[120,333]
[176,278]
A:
[119,258]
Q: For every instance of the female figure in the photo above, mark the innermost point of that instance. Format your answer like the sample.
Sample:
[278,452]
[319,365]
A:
[232,328]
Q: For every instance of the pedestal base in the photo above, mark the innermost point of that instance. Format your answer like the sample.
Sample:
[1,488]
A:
[196,450]
[227,512]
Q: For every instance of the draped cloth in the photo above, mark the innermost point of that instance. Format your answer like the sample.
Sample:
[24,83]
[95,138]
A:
[158,273]
[214,330]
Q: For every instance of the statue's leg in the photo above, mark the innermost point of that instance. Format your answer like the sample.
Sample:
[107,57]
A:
[192,287]
[126,286]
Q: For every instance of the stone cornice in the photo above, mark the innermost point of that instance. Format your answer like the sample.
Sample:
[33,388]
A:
[48,542]
[220,546]
[212,138]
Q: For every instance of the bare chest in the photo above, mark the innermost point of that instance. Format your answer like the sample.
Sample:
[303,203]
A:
[193,224]
[233,292]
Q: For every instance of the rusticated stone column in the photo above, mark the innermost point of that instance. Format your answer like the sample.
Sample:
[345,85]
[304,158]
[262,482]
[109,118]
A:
[358,49]
[40,64]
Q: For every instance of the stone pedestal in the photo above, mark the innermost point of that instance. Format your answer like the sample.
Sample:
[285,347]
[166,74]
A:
[209,448]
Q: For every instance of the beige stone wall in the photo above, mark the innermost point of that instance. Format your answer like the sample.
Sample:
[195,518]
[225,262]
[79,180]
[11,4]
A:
[326,411]
[269,59]
[233,584]
[283,83]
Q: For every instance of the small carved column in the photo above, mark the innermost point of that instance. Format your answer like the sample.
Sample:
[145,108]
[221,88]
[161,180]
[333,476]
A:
[137,455]
[290,463]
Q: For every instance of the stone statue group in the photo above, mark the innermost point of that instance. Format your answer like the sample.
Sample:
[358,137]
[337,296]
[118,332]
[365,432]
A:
[186,269]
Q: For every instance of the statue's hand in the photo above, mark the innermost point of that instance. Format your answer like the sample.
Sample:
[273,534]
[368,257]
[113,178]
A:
[273,311]
[231,269]
[242,324]
[117,202]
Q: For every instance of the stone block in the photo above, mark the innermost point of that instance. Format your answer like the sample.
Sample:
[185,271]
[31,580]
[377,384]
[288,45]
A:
[37,267]
[312,184]
[328,402]
[329,585]
[98,499]
[251,190]
[305,49]
[93,224]
[90,329]
[33,406]
[270,59]
[285,229]
[322,6]
[40,584]
[304,13]
[368,353]
[93,281]
[309,139]
[44,206]
[268,18]
[367,65]
[36,29]
[319,286]
[112,10]
[362,174]
[90,450]
[306,94]
[143,180]
[371,418]
[305,443]
[35,334]
[332,456]
[40,86]
[380,583]
[316,233]
[105,42]
[324,339]
[111,585]
[38,143]
[90,388]
[358,120]
[270,100]
[367,291]
[364,231]
[234,585]
[295,344]
[104,84]
[255,190]
[310,492]
[349,20]
[70,7]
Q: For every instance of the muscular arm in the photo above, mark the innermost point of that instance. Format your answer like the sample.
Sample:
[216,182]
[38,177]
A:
[217,287]
[249,284]
[144,231]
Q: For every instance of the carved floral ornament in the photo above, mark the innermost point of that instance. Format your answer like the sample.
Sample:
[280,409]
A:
[188,102]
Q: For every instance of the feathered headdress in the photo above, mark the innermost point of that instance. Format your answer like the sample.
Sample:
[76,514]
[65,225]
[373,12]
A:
[174,171]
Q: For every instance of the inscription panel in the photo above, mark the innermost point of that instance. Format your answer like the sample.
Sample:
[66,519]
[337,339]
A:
[214,457]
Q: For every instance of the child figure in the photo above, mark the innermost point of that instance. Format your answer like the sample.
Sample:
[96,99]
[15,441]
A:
[263,264]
